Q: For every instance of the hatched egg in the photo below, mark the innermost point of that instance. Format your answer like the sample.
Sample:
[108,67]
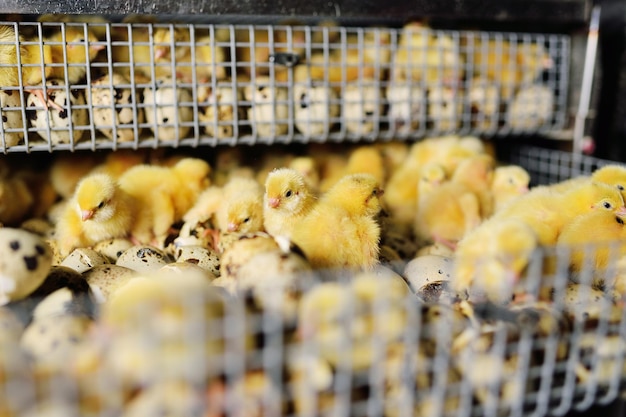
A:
[104,280]
[59,126]
[11,118]
[168,110]
[532,108]
[25,262]
[143,259]
[113,248]
[83,259]
[115,105]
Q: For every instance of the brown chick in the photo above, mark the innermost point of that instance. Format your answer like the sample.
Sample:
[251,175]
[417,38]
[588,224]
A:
[288,199]
[341,230]
[508,182]
[163,194]
[490,261]
[75,47]
[206,57]
[98,210]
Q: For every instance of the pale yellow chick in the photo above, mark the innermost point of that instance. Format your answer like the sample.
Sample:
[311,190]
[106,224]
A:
[476,172]
[508,183]
[76,47]
[595,239]
[208,57]
[98,210]
[288,199]
[307,167]
[341,230]
[431,176]
[137,39]
[490,261]
[612,174]
[164,194]
[361,160]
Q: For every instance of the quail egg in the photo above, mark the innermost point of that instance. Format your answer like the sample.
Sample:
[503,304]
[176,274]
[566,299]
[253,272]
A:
[269,112]
[315,109]
[104,280]
[12,131]
[65,123]
[115,105]
[83,259]
[198,255]
[143,259]
[362,108]
[168,110]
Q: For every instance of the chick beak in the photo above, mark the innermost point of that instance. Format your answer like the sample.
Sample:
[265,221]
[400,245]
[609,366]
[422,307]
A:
[273,202]
[232,227]
[97,48]
[159,53]
[621,211]
[86,214]
[523,190]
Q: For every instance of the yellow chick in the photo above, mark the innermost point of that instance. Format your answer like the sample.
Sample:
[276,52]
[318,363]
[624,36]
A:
[307,167]
[33,57]
[164,194]
[362,160]
[288,199]
[98,210]
[341,230]
[206,56]
[431,176]
[490,261]
[75,47]
[135,38]
[427,57]
[595,238]
[612,174]
[508,182]
[476,172]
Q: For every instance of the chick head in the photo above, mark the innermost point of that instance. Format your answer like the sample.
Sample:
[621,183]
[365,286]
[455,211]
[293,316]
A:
[614,175]
[513,178]
[164,38]
[193,171]
[607,197]
[285,190]
[77,39]
[244,216]
[432,174]
[359,194]
[94,197]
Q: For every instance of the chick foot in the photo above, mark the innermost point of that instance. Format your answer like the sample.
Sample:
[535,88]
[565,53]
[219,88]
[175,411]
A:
[45,99]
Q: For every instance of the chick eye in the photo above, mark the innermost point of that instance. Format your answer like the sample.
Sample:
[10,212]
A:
[511,181]
[246,220]
[620,187]
[100,205]
[607,205]
[288,193]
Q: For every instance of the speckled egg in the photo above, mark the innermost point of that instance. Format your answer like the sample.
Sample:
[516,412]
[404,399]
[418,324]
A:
[113,248]
[268,112]
[224,99]
[83,259]
[116,106]
[63,128]
[362,108]
[427,269]
[66,301]
[177,269]
[143,259]
[407,105]
[11,105]
[201,256]
[315,108]
[168,110]
[104,280]
[53,340]
[25,260]
[11,326]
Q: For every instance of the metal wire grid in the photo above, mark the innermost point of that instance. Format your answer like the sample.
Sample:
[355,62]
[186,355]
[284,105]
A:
[248,84]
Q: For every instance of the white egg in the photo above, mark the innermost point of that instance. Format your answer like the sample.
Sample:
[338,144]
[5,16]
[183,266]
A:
[362,108]
[63,128]
[168,110]
[143,259]
[224,99]
[11,118]
[25,260]
[532,108]
[115,105]
[315,108]
[269,110]
[407,106]
[445,108]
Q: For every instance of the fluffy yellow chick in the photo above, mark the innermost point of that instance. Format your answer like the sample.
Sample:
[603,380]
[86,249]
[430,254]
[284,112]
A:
[164,194]
[595,238]
[431,176]
[139,66]
[307,167]
[476,172]
[362,160]
[206,57]
[490,261]
[341,230]
[427,57]
[508,182]
[98,210]
[288,198]
[74,47]
[614,175]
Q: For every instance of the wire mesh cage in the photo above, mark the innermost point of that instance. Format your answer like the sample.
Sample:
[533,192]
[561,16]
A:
[271,336]
[121,85]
